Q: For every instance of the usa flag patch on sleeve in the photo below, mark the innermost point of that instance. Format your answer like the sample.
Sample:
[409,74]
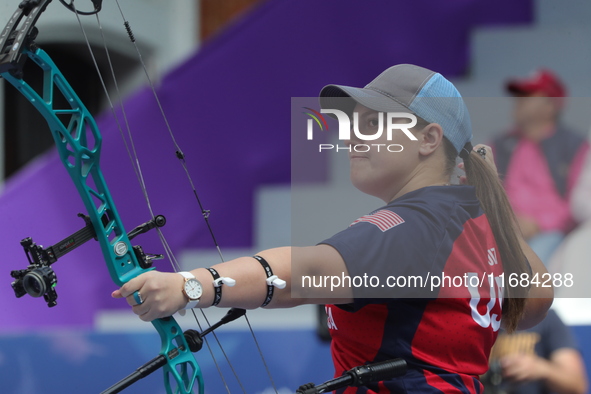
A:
[383,219]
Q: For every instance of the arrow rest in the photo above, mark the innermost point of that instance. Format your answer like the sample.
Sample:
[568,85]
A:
[145,260]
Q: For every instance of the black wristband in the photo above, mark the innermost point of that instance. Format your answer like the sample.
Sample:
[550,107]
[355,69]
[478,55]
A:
[269,273]
[217,286]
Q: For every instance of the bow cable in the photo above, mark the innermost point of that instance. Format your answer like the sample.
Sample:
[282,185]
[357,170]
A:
[132,153]
[134,158]
[180,155]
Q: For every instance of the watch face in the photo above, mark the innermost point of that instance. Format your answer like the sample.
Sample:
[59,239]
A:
[193,289]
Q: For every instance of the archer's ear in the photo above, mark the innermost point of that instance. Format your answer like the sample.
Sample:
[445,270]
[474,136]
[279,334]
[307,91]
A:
[430,138]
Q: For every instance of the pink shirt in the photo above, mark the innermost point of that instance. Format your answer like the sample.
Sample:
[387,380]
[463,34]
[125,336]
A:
[531,189]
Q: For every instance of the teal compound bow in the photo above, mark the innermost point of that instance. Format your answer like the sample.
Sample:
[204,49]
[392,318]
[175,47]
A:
[78,142]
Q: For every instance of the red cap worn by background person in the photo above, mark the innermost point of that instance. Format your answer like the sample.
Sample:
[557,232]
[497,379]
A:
[541,82]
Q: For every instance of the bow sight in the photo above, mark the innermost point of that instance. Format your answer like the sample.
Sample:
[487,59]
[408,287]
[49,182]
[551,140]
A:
[39,279]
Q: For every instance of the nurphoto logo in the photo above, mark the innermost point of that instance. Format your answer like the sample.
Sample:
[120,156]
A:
[391,120]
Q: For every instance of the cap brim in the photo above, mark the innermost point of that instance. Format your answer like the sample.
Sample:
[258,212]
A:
[521,87]
[345,98]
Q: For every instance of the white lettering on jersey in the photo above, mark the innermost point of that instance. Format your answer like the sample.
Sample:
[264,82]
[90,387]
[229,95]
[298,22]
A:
[488,319]
[492,257]
[330,321]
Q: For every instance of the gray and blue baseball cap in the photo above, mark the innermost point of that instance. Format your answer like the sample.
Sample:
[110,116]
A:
[408,88]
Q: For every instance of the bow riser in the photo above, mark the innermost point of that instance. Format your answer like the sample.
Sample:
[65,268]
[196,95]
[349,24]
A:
[79,146]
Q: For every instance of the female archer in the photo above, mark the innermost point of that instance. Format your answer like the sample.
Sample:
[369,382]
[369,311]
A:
[461,240]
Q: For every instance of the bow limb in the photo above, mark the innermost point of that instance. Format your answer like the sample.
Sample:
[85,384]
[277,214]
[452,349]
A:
[79,141]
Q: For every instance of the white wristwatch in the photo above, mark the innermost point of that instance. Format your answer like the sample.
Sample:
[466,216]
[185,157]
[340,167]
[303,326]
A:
[192,289]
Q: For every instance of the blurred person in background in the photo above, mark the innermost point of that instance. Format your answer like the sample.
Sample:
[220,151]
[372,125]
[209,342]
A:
[581,198]
[540,161]
[543,359]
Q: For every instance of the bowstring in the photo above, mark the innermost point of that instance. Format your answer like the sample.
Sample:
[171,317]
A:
[205,213]
[134,158]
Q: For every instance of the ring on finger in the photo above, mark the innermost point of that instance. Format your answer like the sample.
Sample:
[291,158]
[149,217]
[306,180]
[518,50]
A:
[138,297]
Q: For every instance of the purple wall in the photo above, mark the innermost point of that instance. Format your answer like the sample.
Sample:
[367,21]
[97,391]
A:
[229,107]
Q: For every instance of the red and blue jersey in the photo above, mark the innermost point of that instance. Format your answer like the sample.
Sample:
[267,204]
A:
[436,244]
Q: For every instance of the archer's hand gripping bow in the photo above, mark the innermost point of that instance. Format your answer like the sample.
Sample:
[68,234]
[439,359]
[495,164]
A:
[78,141]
